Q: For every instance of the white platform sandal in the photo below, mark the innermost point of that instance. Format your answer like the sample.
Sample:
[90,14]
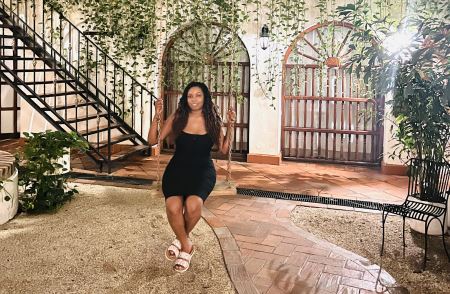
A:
[173,250]
[184,261]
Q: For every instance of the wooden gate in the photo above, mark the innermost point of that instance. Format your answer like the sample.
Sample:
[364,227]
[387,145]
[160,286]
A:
[205,53]
[328,114]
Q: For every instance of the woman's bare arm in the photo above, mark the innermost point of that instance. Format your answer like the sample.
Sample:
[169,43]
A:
[166,127]
[225,140]
[228,138]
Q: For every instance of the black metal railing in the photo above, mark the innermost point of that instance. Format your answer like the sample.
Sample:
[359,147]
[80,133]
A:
[91,63]
[65,63]
[25,90]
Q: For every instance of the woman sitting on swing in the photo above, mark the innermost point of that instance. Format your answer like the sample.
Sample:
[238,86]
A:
[190,176]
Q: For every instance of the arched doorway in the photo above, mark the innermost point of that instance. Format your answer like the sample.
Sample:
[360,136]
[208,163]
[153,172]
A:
[327,113]
[206,53]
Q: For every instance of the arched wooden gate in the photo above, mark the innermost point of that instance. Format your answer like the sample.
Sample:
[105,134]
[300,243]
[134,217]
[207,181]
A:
[205,53]
[327,113]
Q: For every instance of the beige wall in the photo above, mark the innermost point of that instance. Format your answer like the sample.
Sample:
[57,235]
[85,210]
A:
[6,100]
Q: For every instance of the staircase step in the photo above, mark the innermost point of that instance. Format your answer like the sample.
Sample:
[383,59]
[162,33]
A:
[6,26]
[73,105]
[47,95]
[16,37]
[20,58]
[115,140]
[83,117]
[98,130]
[50,82]
[121,154]
[127,152]
[38,70]
[17,47]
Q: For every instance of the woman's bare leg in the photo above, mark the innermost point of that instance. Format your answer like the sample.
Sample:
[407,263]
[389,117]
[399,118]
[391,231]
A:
[193,212]
[174,211]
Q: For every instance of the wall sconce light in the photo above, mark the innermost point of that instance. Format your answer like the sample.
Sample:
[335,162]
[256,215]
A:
[264,37]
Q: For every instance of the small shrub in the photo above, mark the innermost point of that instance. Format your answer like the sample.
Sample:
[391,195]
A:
[44,186]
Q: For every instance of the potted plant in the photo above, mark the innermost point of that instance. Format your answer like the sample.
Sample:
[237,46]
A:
[8,197]
[415,71]
[42,174]
[408,60]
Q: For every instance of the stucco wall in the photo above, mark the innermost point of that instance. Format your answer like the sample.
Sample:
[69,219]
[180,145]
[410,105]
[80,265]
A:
[6,100]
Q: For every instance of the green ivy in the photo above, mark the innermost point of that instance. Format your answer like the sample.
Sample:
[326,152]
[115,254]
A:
[138,30]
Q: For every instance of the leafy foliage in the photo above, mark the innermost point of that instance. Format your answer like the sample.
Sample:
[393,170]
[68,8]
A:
[44,187]
[136,32]
[417,74]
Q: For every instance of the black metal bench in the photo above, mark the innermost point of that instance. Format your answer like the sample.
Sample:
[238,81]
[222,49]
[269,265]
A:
[428,181]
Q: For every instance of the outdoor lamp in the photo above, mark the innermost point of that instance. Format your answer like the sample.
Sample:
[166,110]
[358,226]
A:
[264,37]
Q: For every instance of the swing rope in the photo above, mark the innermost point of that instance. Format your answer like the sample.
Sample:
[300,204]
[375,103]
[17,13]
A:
[232,80]
[158,157]
[229,154]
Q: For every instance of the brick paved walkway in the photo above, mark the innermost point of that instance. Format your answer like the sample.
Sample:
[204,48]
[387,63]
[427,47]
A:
[266,253]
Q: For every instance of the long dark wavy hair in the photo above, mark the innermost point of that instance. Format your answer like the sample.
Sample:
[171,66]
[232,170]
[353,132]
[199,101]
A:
[212,118]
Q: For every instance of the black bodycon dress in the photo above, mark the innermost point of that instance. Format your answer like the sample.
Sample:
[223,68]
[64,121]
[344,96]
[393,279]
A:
[191,170]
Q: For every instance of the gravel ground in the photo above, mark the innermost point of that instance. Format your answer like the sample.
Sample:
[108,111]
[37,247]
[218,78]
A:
[360,232]
[106,240]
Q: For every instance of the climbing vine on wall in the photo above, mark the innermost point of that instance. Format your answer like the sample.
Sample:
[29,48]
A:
[135,32]
[213,29]
[285,20]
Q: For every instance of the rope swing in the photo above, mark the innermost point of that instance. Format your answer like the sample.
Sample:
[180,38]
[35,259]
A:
[226,187]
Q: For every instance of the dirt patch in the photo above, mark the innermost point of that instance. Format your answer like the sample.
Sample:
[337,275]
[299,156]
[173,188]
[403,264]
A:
[361,233]
[106,240]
